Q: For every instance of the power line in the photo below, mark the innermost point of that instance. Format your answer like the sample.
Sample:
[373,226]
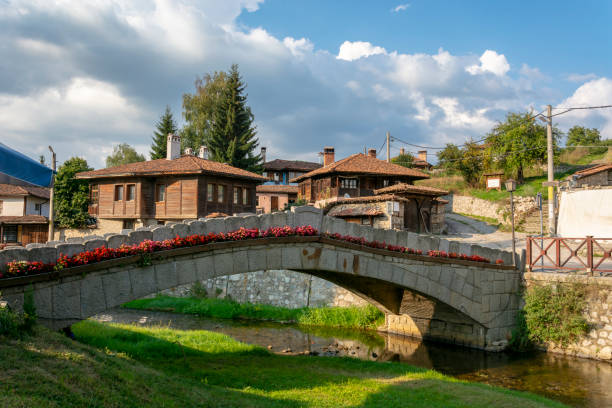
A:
[580,108]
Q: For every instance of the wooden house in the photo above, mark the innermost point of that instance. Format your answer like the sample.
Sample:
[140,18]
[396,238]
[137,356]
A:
[24,212]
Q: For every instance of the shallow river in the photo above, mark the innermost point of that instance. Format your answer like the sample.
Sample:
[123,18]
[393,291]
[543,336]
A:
[577,382]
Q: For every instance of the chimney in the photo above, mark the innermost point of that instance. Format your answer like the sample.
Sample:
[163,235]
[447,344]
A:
[203,152]
[402,151]
[372,153]
[189,151]
[328,155]
[263,154]
[423,155]
[174,147]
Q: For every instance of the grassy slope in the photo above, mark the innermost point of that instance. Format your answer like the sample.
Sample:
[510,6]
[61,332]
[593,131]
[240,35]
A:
[367,317]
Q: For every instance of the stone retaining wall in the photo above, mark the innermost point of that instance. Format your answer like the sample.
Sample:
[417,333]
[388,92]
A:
[523,206]
[597,344]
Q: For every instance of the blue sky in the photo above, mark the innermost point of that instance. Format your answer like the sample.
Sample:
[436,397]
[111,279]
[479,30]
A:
[85,76]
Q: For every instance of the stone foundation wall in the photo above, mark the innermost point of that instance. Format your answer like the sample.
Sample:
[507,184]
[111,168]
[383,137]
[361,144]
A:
[597,344]
[523,206]
[278,288]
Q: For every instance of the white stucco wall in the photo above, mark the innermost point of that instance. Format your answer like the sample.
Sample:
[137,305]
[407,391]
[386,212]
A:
[31,206]
[585,212]
[12,206]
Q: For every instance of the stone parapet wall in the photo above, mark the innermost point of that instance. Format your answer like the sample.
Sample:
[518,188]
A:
[278,288]
[597,344]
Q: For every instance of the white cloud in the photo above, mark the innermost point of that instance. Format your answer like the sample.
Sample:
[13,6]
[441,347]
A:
[581,77]
[350,51]
[597,92]
[490,61]
[298,47]
[400,7]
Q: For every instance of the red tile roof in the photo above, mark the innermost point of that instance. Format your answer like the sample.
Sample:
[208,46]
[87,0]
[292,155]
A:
[25,219]
[277,188]
[409,188]
[291,165]
[363,164]
[180,166]
[593,170]
[13,190]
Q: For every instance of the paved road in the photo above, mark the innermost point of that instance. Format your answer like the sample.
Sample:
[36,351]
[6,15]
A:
[461,228]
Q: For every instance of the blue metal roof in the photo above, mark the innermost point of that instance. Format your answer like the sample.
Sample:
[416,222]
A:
[15,165]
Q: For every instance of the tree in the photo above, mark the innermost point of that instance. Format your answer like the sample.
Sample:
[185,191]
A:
[164,126]
[123,154]
[232,139]
[199,109]
[406,160]
[519,142]
[471,164]
[71,194]
[449,157]
[581,136]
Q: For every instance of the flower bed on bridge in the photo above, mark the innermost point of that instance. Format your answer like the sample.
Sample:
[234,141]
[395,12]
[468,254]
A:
[26,268]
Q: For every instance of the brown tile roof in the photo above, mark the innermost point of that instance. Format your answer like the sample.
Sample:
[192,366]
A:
[409,188]
[364,164]
[217,215]
[291,165]
[354,212]
[13,190]
[182,165]
[25,219]
[277,188]
[593,170]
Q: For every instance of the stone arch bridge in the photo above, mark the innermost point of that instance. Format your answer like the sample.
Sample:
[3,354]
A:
[452,300]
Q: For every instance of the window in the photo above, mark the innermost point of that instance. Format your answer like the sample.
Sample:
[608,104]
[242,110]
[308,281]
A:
[220,193]
[348,183]
[9,234]
[257,201]
[365,221]
[385,183]
[245,196]
[236,195]
[118,193]
[210,192]
[37,207]
[265,174]
[276,176]
[94,194]
[128,224]
[160,192]
[131,192]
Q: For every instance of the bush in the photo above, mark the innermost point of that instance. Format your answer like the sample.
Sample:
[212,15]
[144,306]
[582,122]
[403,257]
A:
[554,314]
[198,291]
[14,324]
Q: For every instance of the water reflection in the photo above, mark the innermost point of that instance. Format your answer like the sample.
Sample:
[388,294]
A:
[578,382]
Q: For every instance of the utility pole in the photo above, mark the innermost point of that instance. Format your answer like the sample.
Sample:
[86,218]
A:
[51,236]
[551,172]
[388,147]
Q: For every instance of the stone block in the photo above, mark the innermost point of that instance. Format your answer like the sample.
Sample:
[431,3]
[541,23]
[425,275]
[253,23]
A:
[136,237]
[434,273]
[291,258]
[204,266]
[468,291]
[92,244]
[384,271]
[241,260]
[224,264]
[444,245]
[14,299]
[390,237]
[345,262]
[93,300]
[116,240]
[444,295]
[250,222]
[446,276]
[397,274]
[412,241]
[34,245]
[216,225]
[234,223]
[465,248]
[364,231]
[117,288]
[424,243]
[43,254]
[185,271]
[457,284]
[328,260]
[125,231]
[162,233]
[332,225]
[409,279]
[307,215]
[67,300]
[422,285]
[274,258]
[197,227]
[257,260]
[69,249]
[43,300]
[506,256]
[379,235]
[165,275]
[75,240]
[12,254]
[180,229]
[454,246]
[277,219]
[434,242]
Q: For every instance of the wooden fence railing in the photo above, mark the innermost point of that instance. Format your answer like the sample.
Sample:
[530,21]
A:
[589,255]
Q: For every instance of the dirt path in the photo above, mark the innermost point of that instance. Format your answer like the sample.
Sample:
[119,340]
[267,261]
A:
[461,228]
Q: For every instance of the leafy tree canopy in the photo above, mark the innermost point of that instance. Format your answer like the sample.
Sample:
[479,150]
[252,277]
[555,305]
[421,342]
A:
[71,194]
[471,163]
[123,154]
[406,160]
[581,136]
[199,108]
[448,158]
[233,137]
[517,143]
[165,125]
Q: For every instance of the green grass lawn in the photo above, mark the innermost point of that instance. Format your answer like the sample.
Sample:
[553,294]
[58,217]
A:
[367,317]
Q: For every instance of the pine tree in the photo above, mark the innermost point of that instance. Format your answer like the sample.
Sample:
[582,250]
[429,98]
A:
[232,138]
[164,126]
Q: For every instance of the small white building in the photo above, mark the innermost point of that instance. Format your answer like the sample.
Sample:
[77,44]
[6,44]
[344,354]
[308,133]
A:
[24,214]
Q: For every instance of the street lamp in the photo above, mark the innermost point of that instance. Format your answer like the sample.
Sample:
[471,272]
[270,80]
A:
[510,187]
